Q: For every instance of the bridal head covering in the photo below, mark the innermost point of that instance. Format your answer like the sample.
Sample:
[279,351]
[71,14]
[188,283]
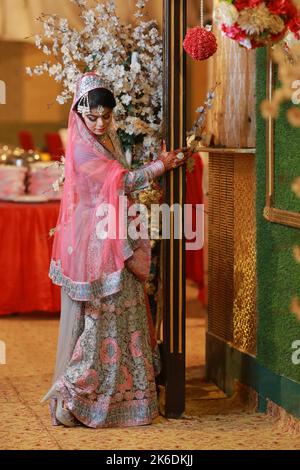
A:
[85,263]
[88,82]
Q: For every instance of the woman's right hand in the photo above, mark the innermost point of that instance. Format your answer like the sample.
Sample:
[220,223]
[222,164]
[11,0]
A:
[171,160]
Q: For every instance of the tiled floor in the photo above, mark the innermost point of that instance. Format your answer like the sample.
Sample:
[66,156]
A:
[212,421]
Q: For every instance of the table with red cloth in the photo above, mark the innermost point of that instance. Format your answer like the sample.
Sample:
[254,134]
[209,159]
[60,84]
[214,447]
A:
[25,257]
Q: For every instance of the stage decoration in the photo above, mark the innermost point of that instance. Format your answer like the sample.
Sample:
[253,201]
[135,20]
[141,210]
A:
[257,23]
[128,57]
[288,62]
[200,42]
[198,136]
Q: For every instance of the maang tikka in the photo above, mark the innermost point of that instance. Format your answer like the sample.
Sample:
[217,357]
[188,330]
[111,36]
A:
[83,106]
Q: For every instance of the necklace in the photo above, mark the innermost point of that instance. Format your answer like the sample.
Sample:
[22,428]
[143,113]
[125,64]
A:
[106,142]
[103,138]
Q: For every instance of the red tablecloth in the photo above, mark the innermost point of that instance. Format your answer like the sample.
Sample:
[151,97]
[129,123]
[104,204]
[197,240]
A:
[25,249]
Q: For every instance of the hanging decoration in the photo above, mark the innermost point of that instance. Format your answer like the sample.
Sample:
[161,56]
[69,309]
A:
[200,42]
[257,23]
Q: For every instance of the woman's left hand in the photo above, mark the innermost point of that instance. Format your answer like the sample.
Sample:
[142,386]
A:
[174,159]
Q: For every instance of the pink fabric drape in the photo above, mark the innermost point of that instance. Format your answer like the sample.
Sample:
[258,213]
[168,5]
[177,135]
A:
[94,180]
[194,195]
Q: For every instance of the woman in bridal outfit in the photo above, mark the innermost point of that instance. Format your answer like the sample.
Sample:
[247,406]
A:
[107,356]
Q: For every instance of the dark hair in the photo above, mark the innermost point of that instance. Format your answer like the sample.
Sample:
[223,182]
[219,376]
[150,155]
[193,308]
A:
[101,97]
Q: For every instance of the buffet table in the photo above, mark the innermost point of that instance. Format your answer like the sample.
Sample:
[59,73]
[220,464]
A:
[25,248]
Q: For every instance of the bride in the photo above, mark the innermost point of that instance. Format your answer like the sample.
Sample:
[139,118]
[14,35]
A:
[107,356]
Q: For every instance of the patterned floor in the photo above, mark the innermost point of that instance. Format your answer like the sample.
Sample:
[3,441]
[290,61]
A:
[212,421]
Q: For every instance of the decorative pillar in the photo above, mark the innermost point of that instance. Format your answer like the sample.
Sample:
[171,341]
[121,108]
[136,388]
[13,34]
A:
[173,250]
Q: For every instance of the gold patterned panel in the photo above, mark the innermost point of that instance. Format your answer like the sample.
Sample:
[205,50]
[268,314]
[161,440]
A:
[220,246]
[232,249]
[244,305]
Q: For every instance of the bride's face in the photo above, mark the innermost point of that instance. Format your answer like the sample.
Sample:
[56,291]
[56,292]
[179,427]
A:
[96,122]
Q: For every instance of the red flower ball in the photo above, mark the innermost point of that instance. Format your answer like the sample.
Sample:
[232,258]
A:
[200,43]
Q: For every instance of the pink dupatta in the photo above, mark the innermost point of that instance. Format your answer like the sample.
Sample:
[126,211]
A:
[86,265]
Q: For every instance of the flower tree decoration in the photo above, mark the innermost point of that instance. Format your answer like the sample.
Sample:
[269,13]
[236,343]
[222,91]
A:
[288,61]
[257,23]
[197,137]
[128,57]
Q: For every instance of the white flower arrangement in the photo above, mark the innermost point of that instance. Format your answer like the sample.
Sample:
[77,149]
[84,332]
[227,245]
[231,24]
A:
[197,138]
[128,57]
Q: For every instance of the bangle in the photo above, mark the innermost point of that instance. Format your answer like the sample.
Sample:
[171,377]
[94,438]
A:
[160,160]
